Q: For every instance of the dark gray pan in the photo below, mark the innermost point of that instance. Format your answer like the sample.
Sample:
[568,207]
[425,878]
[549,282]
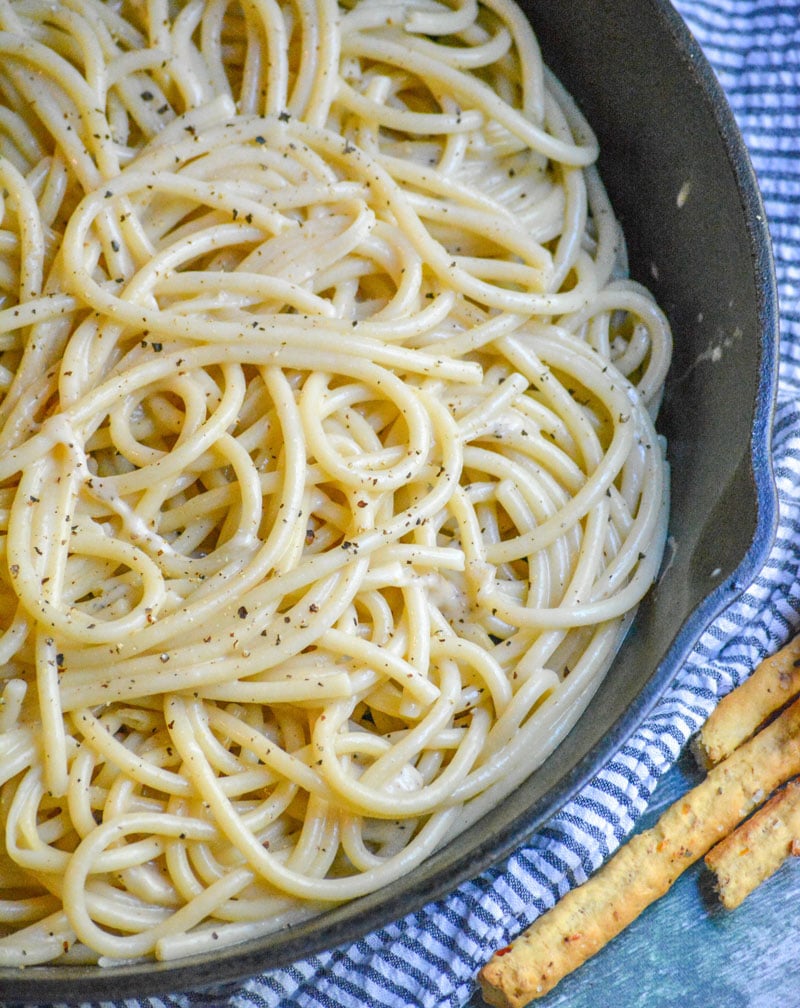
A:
[663,123]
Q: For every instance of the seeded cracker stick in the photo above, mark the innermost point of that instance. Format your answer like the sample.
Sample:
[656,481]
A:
[775,682]
[644,868]
[754,851]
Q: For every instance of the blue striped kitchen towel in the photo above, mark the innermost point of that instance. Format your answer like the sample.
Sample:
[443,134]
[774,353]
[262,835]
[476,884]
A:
[430,959]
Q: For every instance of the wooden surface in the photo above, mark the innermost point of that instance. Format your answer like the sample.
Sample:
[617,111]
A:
[687,952]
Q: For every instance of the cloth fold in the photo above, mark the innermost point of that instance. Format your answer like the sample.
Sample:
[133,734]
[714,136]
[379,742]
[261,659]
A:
[430,958]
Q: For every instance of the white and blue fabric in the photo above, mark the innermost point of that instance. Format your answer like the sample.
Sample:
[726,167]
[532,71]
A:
[430,959]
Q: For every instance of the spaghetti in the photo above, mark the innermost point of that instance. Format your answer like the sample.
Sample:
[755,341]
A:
[328,477]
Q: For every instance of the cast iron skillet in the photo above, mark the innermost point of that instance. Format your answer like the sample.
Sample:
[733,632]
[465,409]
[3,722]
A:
[681,182]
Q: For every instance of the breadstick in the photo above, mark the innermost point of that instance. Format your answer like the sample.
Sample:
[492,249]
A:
[643,869]
[775,681]
[754,851]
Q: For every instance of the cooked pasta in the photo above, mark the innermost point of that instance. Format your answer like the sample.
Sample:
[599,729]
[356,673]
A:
[328,476]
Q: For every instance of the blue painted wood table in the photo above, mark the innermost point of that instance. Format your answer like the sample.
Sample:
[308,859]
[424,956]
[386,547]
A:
[685,951]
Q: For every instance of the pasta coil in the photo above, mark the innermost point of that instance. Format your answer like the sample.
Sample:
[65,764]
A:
[330,483]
